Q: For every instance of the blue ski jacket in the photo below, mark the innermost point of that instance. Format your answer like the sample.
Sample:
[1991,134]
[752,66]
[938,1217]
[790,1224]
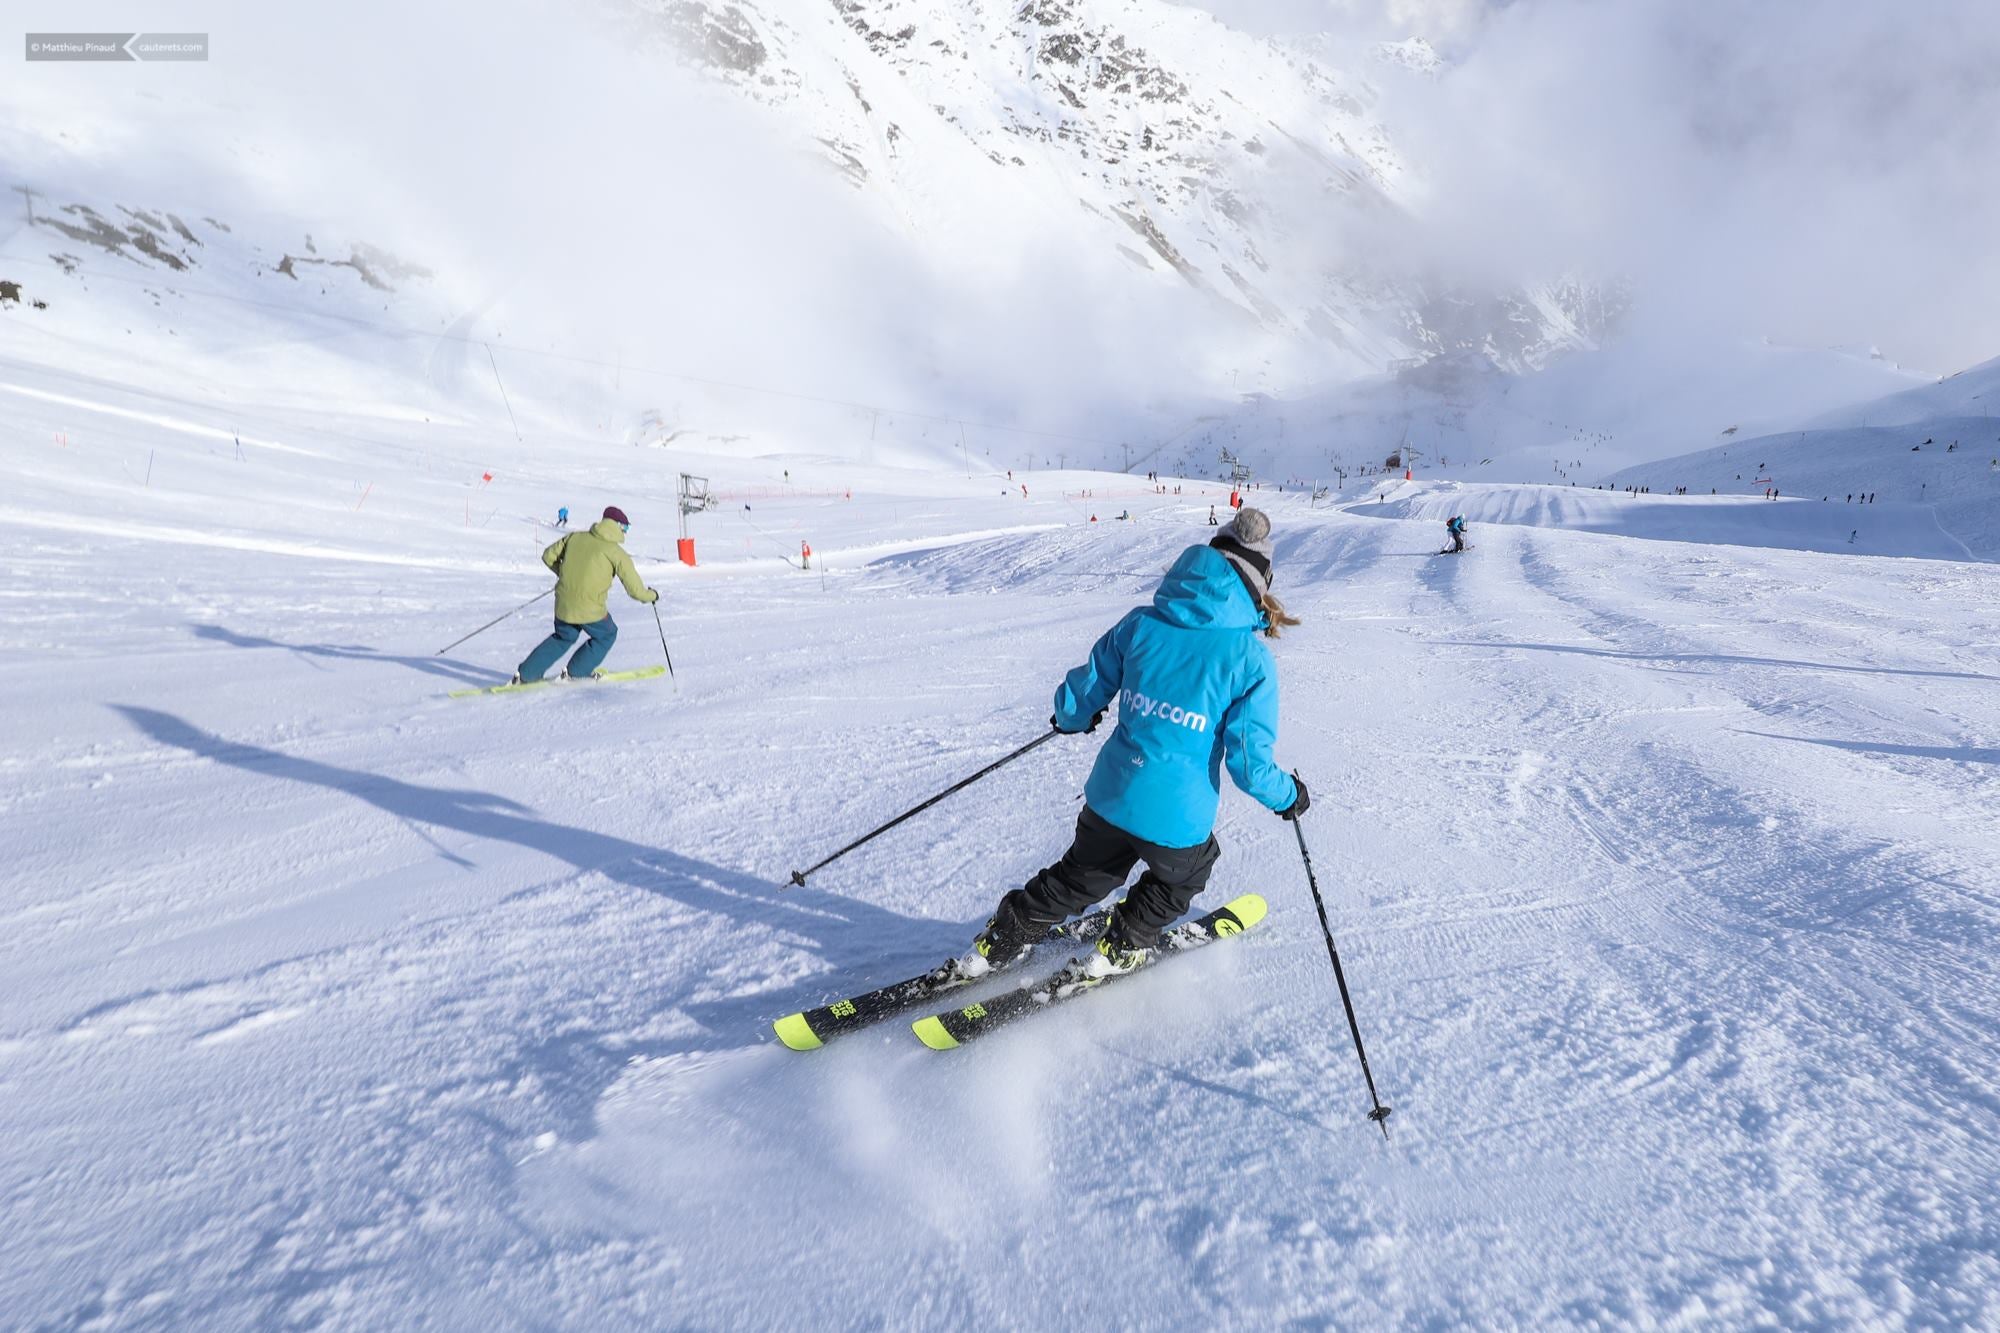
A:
[1196,688]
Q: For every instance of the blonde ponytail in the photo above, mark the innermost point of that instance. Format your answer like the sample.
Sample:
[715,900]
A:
[1279,618]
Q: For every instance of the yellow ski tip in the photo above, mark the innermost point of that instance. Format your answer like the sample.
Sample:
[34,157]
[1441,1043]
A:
[1249,909]
[930,1031]
[796,1033]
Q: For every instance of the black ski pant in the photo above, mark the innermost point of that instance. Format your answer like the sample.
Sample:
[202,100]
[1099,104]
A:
[1457,542]
[1095,866]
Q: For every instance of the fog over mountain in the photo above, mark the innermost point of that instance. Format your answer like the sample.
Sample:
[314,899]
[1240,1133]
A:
[1089,216]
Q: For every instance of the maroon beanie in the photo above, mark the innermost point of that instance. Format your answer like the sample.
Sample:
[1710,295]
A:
[617,515]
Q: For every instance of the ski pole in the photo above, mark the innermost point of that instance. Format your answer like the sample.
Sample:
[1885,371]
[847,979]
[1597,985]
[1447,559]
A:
[1380,1115]
[799,876]
[663,644]
[491,623]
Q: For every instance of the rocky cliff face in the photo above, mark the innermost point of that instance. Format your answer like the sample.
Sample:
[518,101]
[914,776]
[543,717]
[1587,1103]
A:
[1254,173]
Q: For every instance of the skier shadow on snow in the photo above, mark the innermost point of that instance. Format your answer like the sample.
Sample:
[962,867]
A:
[1186,1079]
[452,669]
[1964,754]
[1718,659]
[844,931]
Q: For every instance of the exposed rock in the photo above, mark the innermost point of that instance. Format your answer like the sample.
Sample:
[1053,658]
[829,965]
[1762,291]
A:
[375,266]
[720,36]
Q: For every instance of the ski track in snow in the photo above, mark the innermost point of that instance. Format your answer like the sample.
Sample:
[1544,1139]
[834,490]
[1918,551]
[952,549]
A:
[1663,873]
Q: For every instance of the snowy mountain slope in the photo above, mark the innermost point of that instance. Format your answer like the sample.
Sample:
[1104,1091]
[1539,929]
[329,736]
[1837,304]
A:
[348,333]
[1663,875]
[1801,523]
[1256,173]
[1967,393]
[1932,450]
[377,488]
[212,297]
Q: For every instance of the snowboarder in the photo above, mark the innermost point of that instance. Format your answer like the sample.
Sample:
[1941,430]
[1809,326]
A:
[1211,517]
[1196,692]
[1455,525]
[562,517]
[584,563]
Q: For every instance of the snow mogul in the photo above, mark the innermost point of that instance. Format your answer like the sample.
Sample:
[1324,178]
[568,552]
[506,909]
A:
[584,564]
[1196,691]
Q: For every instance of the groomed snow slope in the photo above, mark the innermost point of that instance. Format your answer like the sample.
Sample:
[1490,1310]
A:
[1664,876]
[1884,528]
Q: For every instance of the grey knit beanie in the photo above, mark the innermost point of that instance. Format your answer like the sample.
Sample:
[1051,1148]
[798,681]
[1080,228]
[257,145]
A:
[1246,544]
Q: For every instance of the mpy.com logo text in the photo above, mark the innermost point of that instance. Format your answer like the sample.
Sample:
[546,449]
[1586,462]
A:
[1135,704]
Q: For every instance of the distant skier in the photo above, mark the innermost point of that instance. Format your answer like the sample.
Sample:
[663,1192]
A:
[1196,691]
[1212,522]
[584,563]
[562,517]
[1455,525]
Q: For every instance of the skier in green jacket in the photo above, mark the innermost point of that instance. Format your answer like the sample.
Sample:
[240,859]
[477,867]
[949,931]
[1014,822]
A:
[584,563]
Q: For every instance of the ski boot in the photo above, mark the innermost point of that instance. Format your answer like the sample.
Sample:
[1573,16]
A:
[516,680]
[1113,956]
[1005,942]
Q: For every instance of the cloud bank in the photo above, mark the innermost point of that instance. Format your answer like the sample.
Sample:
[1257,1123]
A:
[1819,173]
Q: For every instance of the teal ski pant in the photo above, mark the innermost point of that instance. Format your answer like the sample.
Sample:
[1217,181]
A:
[602,634]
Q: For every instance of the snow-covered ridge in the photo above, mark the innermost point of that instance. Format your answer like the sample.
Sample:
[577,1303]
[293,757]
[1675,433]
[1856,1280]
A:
[1253,171]
[1412,53]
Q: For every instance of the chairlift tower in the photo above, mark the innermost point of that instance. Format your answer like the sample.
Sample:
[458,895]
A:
[1239,472]
[694,498]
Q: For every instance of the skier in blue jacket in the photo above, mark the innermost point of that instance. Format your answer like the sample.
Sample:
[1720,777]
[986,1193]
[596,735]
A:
[1197,690]
[1455,525]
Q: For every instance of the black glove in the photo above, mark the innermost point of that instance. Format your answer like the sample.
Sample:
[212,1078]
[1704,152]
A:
[1299,806]
[1084,730]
